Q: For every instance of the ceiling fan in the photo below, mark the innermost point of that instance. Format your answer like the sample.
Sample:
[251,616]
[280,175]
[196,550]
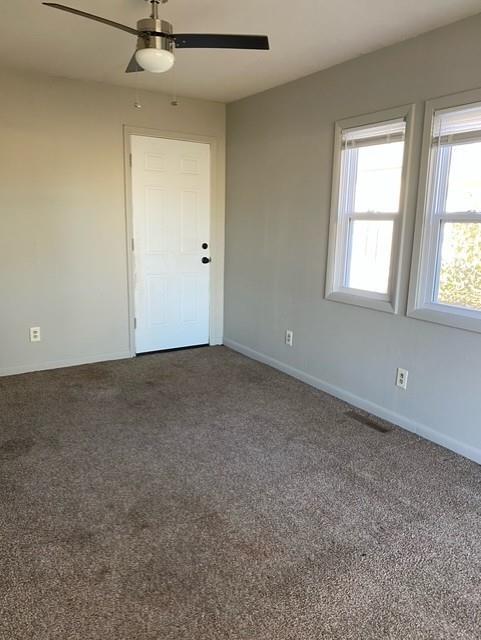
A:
[156,41]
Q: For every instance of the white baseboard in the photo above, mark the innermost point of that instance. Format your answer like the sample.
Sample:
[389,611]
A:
[409,424]
[58,364]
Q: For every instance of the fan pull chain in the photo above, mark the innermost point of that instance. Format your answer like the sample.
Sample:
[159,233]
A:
[137,103]
[175,101]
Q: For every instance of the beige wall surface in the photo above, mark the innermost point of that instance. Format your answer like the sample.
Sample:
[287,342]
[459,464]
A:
[279,159]
[63,263]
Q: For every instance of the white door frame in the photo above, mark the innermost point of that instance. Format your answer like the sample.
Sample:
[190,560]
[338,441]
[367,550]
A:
[216,240]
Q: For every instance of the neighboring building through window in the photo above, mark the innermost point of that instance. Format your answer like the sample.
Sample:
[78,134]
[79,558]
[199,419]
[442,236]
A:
[367,210]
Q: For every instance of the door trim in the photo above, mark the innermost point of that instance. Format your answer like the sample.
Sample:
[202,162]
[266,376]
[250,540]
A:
[217,226]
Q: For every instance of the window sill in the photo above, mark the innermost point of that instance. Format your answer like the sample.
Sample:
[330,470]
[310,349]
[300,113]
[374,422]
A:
[380,303]
[439,314]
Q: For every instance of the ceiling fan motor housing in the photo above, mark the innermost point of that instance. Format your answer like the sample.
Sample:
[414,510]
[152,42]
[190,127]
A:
[147,41]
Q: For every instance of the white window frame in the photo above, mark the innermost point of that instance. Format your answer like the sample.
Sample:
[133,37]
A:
[338,229]
[427,242]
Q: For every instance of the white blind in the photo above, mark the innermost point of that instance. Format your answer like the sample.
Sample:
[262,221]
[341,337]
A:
[379,133]
[462,124]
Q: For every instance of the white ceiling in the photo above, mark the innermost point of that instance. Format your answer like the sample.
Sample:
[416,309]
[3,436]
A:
[305,35]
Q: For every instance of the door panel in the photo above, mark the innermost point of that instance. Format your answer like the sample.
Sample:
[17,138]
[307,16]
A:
[171,214]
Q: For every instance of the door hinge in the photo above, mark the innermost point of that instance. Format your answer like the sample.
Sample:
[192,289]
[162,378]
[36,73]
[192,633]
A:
[130,159]
[133,244]
[135,323]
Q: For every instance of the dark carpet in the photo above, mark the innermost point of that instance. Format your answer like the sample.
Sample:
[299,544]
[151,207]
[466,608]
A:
[199,495]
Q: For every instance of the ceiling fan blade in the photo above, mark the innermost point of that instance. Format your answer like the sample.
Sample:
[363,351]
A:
[133,65]
[76,12]
[219,41]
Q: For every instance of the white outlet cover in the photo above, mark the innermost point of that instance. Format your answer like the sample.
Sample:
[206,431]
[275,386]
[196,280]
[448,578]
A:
[402,378]
[35,335]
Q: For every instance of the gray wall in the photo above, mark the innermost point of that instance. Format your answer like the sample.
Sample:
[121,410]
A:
[280,147]
[62,213]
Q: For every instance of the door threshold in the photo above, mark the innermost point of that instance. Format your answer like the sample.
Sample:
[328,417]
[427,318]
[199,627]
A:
[151,353]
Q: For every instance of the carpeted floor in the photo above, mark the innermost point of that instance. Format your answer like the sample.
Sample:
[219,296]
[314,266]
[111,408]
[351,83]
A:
[199,495]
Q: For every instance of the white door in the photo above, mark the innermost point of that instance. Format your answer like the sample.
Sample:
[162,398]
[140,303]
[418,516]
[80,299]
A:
[171,215]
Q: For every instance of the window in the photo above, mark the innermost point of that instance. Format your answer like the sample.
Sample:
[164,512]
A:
[367,209]
[447,269]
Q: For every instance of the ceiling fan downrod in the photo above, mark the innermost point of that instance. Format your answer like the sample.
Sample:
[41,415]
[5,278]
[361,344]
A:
[155,8]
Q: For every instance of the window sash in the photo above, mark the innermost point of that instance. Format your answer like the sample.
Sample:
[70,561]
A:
[347,251]
[348,184]
[440,164]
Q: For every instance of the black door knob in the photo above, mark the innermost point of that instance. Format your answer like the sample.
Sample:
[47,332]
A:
[206,260]
[205,245]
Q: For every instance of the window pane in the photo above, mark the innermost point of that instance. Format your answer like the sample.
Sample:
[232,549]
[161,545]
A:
[370,255]
[464,185]
[460,265]
[378,184]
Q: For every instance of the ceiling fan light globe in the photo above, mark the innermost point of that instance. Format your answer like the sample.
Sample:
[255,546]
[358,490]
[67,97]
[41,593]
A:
[155,60]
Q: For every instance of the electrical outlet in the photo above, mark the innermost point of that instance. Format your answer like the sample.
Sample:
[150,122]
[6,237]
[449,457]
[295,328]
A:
[289,337]
[402,379]
[35,334]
